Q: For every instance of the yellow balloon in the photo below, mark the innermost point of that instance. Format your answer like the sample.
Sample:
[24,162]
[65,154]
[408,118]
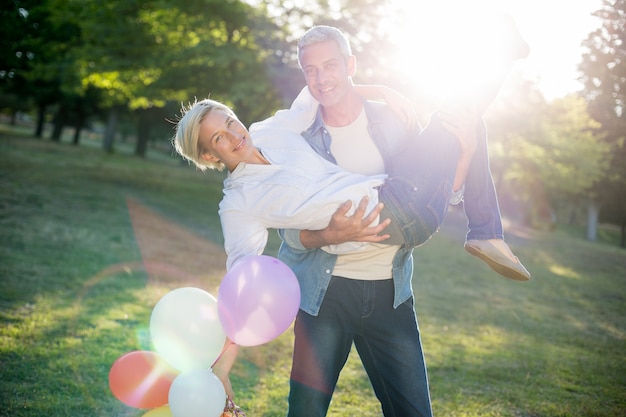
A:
[159,412]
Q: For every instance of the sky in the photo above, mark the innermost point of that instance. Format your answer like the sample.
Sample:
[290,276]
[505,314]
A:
[554,30]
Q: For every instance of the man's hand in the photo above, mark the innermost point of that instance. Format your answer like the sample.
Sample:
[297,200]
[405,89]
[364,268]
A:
[343,228]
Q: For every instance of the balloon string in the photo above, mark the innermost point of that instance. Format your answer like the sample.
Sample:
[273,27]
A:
[229,344]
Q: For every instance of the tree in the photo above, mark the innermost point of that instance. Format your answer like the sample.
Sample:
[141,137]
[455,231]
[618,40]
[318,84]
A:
[144,54]
[35,47]
[365,22]
[603,73]
[548,154]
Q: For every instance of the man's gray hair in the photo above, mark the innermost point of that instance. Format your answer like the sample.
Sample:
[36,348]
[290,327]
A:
[323,33]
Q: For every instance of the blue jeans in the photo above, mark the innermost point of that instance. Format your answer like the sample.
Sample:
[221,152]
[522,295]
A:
[480,201]
[417,193]
[387,340]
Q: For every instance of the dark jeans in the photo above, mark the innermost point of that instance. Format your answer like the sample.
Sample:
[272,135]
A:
[387,340]
[417,193]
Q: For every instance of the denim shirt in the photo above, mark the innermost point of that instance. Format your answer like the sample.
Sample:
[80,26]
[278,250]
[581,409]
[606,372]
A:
[314,267]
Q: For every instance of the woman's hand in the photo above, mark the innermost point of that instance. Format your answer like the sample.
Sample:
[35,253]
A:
[461,121]
[403,108]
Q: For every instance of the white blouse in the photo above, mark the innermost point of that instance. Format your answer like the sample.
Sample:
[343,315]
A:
[298,190]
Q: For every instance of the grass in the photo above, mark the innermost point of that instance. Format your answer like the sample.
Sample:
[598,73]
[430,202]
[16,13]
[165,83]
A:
[90,243]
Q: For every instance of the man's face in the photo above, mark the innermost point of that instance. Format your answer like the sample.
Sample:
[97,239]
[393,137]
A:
[327,72]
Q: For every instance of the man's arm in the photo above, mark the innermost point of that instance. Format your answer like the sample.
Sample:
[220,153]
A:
[342,228]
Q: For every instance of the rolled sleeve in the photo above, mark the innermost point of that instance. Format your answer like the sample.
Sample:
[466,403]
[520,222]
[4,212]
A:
[291,237]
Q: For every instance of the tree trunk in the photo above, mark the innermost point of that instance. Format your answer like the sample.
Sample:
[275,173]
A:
[59,122]
[78,125]
[76,139]
[572,215]
[56,131]
[143,134]
[592,221]
[109,132]
[41,116]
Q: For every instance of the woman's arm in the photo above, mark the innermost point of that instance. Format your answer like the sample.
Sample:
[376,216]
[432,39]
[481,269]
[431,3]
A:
[297,118]
[221,368]
[396,102]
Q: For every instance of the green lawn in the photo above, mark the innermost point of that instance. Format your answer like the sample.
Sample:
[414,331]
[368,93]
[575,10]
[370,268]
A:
[76,224]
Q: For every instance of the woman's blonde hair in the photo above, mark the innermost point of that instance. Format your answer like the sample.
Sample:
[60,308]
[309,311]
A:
[186,141]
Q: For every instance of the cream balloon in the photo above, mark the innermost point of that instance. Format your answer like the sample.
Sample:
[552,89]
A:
[197,393]
[186,330]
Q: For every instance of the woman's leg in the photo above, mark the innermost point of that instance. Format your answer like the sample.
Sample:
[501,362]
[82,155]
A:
[485,237]
[417,193]
[480,201]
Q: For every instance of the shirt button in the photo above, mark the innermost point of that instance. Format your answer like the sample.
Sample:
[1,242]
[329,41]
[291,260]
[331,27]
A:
[328,271]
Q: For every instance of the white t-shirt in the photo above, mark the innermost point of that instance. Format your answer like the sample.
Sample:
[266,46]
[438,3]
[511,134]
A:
[355,151]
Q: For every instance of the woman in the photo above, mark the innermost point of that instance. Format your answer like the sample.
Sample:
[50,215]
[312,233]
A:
[277,180]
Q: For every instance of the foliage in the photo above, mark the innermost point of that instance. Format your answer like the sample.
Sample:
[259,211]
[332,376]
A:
[543,153]
[603,72]
[40,44]
[574,154]
[148,53]
[366,23]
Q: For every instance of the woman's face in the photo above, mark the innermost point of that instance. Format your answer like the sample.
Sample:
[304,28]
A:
[224,138]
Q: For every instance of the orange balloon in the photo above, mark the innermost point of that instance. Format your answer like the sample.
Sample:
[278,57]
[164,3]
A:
[141,379]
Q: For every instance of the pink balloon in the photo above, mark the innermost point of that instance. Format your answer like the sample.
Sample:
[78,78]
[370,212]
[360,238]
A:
[258,300]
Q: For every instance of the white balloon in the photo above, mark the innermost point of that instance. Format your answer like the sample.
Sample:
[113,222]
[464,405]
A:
[197,393]
[186,330]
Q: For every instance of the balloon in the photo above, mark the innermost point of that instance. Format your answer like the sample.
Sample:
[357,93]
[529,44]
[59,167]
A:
[258,300]
[141,379]
[186,330]
[197,393]
[159,412]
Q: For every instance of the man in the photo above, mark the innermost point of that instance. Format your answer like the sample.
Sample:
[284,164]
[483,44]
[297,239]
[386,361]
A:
[365,297]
